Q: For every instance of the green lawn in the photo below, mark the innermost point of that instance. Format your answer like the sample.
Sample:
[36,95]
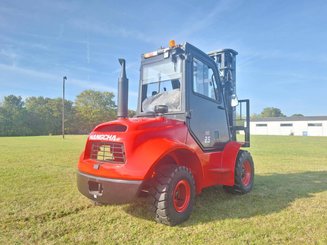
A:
[39,201]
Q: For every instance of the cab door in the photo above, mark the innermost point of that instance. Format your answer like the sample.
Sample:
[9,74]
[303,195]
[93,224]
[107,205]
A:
[207,118]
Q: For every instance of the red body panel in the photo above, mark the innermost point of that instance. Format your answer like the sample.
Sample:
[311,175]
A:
[148,141]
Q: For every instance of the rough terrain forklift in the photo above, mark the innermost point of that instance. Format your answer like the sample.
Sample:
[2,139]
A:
[183,138]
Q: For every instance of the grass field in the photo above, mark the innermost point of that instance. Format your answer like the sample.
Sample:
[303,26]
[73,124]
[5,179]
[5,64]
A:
[39,201]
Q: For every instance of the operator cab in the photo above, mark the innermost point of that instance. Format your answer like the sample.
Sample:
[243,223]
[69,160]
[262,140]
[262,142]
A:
[185,81]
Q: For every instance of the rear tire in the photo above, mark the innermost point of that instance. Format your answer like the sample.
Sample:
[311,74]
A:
[172,194]
[244,174]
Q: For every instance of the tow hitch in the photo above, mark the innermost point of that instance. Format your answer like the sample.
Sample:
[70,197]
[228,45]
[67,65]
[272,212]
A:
[95,189]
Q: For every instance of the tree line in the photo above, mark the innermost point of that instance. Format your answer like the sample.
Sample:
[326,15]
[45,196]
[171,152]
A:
[272,112]
[43,116]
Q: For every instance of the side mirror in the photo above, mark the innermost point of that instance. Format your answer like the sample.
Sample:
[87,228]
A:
[234,100]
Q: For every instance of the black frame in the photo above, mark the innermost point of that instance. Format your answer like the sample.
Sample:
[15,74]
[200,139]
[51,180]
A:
[246,128]
[193,52]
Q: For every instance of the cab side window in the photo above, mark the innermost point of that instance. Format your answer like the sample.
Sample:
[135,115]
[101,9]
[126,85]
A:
[204,82]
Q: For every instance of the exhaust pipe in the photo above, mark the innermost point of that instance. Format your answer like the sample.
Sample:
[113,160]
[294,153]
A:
[122,110]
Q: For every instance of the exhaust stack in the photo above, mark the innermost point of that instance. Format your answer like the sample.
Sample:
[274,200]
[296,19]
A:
[122,110]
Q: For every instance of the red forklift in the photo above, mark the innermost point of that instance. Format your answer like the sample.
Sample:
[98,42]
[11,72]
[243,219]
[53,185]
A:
[182,139]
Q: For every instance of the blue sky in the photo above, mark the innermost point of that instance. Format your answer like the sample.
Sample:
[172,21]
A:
[282,46]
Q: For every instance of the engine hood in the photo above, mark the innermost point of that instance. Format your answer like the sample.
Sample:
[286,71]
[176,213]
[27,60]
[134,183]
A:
[139,130]
[132,145]
[135,124]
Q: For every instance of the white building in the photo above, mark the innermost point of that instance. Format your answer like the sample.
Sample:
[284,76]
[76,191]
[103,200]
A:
[301,126]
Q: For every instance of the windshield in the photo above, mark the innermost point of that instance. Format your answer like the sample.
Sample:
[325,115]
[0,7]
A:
[161,85]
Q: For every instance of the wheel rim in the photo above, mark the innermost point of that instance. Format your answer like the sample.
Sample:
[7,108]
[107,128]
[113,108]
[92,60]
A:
[246,173]
[182,196]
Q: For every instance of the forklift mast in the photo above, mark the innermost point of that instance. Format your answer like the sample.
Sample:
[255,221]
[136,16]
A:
[226,63]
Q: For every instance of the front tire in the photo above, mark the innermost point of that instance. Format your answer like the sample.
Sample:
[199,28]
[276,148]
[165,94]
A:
[244,174]
[173,194]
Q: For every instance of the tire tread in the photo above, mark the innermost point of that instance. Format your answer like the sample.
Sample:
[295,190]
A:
[160,196]
[238,187]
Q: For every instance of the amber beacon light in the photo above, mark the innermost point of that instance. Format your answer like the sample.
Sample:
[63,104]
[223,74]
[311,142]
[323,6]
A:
[172,43]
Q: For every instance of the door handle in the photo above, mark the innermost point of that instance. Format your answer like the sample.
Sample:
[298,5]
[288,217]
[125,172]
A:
[220,107]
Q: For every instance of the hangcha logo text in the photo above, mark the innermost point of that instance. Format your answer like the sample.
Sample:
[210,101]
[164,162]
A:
[105,137]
